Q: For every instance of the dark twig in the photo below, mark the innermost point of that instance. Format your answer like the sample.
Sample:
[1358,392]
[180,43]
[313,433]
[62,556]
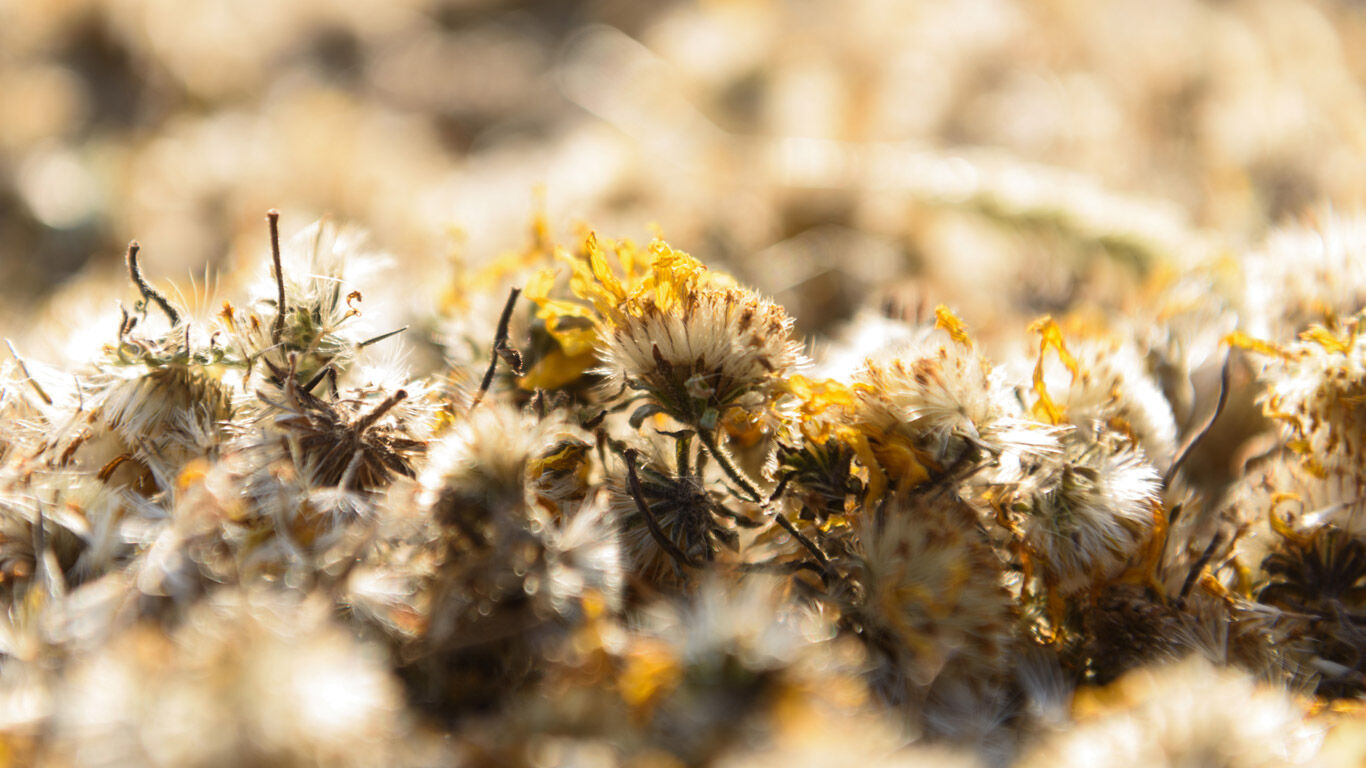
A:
[381,337]
[369,419]
[318,377]
[638,493]
[1188,447]
[593,423]
[778,492]
[733,472]
[748,486]
[1197,567]
[148,292]
[500,340]
[278,329]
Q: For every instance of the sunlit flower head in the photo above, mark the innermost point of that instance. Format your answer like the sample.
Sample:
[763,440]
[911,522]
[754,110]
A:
[692,340]
[324,273]
[1088,518]
[1113,389]
[930,405]
[930,600]
[499,458]
[1185,714]
[1315,388]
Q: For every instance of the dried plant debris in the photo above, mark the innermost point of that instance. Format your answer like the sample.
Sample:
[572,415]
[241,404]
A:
[643,523]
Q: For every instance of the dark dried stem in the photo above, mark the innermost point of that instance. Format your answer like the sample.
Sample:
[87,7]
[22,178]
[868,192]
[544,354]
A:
[148,292]
[1188,447]
[278,329]
[381,337]
[28,376]
[1197,567]
[500,340]
[748,486]
[638,494]
[369,419]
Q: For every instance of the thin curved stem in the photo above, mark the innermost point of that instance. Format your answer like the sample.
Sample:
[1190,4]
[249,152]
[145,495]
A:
[278,328]
[643,506]
[748,486]
[145,288]
[728,466]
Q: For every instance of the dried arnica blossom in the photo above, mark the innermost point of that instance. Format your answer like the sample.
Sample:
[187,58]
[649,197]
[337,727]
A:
[1089,517]
[162,394]
[691,553]
[929,406]
[691,340]
[1322,575]
[500,458]
[1111,388]
[346,442]
[926,596]
[1185,714]
[1316,390]
[730,664]
[307,308]
[671,523]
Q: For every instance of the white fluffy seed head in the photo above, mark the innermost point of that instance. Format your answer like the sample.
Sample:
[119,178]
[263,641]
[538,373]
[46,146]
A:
[942,395]
[500,456]
[933,602]
[249,678]
[1186,714]
[1089,517]
[1114,388]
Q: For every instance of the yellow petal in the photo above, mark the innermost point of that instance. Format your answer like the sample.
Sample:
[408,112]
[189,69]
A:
[556,370]
[943,318]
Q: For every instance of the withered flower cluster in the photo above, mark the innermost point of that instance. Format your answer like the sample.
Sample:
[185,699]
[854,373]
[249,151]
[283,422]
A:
[628,518]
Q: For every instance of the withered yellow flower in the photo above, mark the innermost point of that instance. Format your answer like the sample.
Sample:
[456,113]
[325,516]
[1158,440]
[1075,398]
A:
[691,339]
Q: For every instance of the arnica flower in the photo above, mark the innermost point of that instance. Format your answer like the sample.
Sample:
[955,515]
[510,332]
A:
[1320,573]
[162,395]
[354,442]
[1087,521]
[1185,714]
[691,518]
[506,589]
[927,598]
[730,665]
[689,338]
[815,456]
[1315,387]
[500,459]
[1111,388]
[322,267]
[928,406]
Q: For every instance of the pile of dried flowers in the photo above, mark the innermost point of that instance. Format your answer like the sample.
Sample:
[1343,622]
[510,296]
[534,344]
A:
[628,517]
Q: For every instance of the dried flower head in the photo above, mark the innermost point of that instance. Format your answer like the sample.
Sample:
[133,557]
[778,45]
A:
[501,458]
[671,524]
[352,442]
[1315,387]
[1190,713]
[695,343]
[1113,389]
[925,593]
[932,405]
[250,678]
[307,308]
[1088,517]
